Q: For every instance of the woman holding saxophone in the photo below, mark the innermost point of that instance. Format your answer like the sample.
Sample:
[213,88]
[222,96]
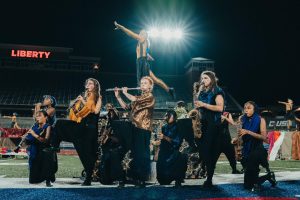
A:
[209,100]
[82,127]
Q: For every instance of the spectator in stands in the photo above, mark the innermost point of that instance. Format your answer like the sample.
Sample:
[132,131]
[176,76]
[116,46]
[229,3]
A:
[288,111]
[14,123]
[82,128]
[143,57]
[297,118]
[49,103]
[42,161]
[209,100]
[253,133]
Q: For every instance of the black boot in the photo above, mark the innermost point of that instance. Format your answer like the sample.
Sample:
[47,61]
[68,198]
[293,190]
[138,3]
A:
[121,184]
[271,179]
[178,184]
[88,180]
[207,184]
[48,183]
[140,184]
[256,188]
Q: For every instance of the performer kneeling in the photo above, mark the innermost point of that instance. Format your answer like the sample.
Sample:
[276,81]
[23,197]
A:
[42,161]
[141,116]
[82,128]
[110,168]
[171,164]
[253,133]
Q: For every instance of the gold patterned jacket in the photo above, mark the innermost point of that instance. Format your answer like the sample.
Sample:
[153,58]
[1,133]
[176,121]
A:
[142,111]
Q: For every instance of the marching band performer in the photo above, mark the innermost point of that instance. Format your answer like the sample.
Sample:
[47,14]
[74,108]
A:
[141,117]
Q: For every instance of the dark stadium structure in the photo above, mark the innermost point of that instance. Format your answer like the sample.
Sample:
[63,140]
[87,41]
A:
[28,72]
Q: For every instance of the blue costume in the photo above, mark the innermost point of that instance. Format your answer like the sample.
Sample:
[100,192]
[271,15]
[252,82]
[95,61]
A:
[171,164]
[42,162]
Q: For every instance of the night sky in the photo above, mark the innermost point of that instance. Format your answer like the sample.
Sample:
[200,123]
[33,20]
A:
[255,44]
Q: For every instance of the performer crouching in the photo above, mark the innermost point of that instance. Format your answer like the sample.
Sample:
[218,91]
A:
[42,161]
[171,164]
[253,133]
[141,116]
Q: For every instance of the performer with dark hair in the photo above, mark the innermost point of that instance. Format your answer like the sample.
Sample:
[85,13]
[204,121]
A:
[143,57]
[49,103]
[171,164]
[82,128]
[110,166]
[42,161]
[253,134]
[141,117]
[209,99]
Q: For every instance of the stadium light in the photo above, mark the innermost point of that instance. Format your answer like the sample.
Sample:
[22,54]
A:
[165,33]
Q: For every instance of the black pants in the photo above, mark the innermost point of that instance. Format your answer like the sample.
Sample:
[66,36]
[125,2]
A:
[227,148]
[209,145]
[256,157]
[142,68]
[83,136]
[110,167]
[43,167]
[140,152]
[171,167]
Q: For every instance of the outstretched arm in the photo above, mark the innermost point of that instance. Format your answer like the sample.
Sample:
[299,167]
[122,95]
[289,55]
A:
[128,32]
[281,102]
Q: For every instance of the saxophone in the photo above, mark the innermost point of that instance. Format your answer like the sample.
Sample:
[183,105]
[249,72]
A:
[156,142]
[195,116]
[237,142]
[196,90]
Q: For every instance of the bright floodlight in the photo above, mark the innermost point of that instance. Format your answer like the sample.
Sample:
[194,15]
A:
[178,33]
[154,32]
[166,33]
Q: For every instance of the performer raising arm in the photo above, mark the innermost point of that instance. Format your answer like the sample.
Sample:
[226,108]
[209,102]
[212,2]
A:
[143,57]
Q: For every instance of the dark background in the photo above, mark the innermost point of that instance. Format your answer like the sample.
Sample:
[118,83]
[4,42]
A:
[255,44]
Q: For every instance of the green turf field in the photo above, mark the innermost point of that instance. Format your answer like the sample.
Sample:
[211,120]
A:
[70,166]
